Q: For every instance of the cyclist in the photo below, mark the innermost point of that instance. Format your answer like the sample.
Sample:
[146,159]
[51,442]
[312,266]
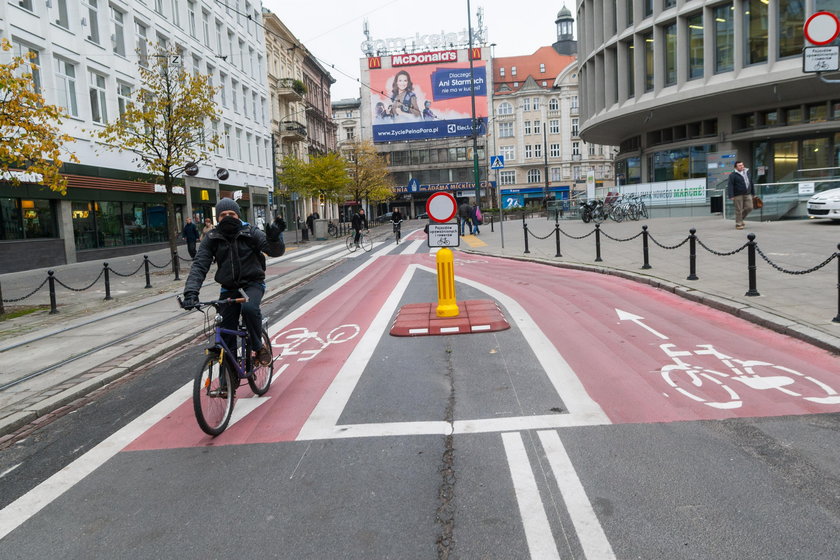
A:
[359,222]
[237,248]
[396,219]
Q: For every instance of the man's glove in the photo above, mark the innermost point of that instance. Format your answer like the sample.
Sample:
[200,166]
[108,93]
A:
[190,300]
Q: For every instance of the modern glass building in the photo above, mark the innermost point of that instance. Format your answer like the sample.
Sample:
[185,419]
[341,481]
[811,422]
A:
[672,81]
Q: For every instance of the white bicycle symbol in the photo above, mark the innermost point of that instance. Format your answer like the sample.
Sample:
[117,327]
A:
[290,342]
[715,388]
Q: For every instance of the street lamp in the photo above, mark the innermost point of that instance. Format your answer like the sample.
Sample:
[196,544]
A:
[472,99]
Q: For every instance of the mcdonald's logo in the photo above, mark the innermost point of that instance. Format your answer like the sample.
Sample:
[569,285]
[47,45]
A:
[374,62]
[475,53]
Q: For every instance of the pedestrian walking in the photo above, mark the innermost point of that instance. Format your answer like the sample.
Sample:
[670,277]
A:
[208,225]
[740,191]
[475,217]
[310,223]
[464,212]
[190,234]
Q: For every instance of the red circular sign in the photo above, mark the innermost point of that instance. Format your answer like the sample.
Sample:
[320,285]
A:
[822,28]
[441,207]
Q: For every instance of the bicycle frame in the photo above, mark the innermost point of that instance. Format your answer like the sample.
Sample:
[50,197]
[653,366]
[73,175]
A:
[242,365]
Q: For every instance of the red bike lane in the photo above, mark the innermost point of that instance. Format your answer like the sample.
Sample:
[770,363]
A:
[642,354]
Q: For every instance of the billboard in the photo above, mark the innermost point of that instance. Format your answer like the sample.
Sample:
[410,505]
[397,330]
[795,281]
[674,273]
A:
[427,95]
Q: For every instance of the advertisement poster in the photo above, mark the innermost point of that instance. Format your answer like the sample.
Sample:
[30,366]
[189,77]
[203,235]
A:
[427,95]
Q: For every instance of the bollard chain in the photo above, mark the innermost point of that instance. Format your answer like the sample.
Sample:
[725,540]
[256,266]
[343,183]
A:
[718,253]
[677,246]
[112,271]
[162,266]
[15,300]
[608,236]
[538,237]
[575,236]
[780,269]
[81,289]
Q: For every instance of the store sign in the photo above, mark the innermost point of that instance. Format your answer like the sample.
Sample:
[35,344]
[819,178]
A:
[175,190]
[22,176]
[433,41]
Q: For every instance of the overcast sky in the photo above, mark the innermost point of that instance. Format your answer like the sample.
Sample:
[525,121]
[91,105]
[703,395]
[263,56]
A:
[332,29]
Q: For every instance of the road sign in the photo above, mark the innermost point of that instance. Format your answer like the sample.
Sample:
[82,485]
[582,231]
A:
[441,207]
[413,185]
[443,235]
[822,28]
[497,162]
[821,59]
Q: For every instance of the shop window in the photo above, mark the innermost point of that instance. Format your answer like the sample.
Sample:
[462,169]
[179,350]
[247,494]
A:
[38,219]
[818,113]
[10,219]
[793,115]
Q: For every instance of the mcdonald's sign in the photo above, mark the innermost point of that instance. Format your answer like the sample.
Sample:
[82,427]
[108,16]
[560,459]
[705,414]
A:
[374,62]
[475,53]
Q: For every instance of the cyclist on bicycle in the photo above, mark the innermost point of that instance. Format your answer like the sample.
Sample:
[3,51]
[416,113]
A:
[396,219]
[359,222]
[237,248]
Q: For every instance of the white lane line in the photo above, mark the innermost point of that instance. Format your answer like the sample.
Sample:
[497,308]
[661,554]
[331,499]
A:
[413,247]
[318,254]
[291,255]
[244,407]
[591,535]
[538,534]
[324,418]
[10,469]
[33,501]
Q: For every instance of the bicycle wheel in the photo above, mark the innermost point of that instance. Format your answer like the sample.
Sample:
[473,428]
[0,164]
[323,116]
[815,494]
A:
[643,209]
[213,391]
[332,230]
[260,379]
[366,243]
[397,235]
[633,212]
[617,213]
[351,246]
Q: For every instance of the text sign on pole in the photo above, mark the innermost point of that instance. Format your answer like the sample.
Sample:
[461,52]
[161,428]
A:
[443,235]
[441,207]
[821,59]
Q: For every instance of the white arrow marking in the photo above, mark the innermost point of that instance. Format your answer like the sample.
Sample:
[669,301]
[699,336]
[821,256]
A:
[625,316]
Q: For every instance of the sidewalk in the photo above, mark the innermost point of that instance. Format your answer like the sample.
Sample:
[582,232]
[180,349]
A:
[800,305]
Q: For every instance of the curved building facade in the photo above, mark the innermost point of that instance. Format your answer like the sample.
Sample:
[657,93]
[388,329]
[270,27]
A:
[672,81]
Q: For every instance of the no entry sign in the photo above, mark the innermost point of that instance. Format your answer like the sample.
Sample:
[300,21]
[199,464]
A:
[441,207]
[822,28]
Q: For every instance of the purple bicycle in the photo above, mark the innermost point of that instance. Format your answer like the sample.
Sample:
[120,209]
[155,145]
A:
[222,370]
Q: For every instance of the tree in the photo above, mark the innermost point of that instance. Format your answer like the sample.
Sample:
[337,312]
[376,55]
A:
[164,124]
[325,175]
[30,137]
[369,176]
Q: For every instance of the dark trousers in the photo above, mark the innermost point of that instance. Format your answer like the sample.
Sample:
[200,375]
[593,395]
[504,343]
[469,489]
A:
[191,248]
[357,236]
[251,314]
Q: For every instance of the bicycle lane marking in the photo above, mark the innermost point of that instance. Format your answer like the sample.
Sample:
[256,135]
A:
[620,361]
[300,385]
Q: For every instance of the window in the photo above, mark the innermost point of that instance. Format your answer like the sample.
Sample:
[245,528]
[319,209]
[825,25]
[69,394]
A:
[538,153]
[227,142]
[791,20]
[508,152]
[191,17]
[647,7]
[536,104]
[575,148]
[92,20]
[239,144]
[534,176]
[142,43]
[537,127]
[502,72]
[553,104]
[631,71]
[529,151]
[65,74]
[542,68]
[33,57]
[554,150]
[513,70]
[219,36]
[629,13]
[234,93]
[506,130]
[670,54]
[526,104]
[554,126]
[98,112]
[555,174]
[123,97]
[26,5]
[574,102]
[118,27]
[575,127]
[62,19]
[526,127]
[647,39]
[176,13]
[248,141]
[755,22]
[695,46]
[349,133]
[507,177]
[159,6]
[591,149]
[241,55]
[223,88]
[724,38]
[505,108]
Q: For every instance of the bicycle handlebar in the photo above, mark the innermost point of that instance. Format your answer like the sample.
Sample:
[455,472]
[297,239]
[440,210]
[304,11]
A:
[204,304]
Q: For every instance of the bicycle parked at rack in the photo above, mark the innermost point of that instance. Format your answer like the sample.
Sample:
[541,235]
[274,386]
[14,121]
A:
[364,241]
[332,229]
[221,372]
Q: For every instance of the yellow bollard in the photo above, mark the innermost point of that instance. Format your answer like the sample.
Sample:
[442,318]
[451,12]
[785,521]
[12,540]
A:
[447,306]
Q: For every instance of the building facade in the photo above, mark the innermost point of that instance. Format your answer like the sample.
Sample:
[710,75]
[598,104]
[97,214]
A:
[681,84]
[87,55]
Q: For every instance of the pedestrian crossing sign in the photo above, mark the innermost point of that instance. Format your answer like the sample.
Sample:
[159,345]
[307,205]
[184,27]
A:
[497,162]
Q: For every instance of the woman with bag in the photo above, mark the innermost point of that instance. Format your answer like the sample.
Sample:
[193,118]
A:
[475,217]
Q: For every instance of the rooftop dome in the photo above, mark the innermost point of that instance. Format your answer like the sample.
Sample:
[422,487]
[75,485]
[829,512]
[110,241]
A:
[564,12]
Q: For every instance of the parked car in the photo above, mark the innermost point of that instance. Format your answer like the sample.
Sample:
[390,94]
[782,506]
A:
[825,204]
[386,217]
[423,216]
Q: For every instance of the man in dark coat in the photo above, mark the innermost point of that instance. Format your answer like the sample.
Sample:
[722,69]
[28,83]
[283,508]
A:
[190,233]
[740,191]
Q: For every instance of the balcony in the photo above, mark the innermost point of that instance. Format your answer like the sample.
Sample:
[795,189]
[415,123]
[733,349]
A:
[290,89]
[292,130]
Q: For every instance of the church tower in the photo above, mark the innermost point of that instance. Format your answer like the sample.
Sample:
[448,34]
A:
[566,43]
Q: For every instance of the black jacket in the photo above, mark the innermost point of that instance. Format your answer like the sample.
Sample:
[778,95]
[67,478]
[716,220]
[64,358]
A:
[240,260]
[359,221]
[735,185]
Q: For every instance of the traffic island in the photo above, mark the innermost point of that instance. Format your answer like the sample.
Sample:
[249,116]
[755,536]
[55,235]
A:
[474,316]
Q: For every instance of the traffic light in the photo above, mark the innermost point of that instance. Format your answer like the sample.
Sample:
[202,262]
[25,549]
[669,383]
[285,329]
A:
[321,199]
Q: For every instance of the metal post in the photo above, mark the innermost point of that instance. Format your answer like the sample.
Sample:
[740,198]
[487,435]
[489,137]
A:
[525,229]
[751,265]
[597,242]
[53,307]
[491,224]
[175,264]
[2,309]
[645,250]
[557,236]
[836,319]
[692,254]
[148,277]
[107,281]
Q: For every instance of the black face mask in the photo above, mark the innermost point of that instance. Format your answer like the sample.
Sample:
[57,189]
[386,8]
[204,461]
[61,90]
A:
[229,226]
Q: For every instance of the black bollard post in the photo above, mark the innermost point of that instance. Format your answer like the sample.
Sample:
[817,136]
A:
[176,265]
[525,228]
[837,319]
[692,255]
[148,277]
[751,265]
[107,282]
[645,250]
[53,307]
[557,236]
[491,223]
[597,242]
[2,309]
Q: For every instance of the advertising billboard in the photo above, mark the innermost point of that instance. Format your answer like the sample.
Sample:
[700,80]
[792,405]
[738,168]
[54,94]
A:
[427,95]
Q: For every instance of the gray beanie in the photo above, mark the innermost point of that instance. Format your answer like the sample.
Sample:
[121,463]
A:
[227,204]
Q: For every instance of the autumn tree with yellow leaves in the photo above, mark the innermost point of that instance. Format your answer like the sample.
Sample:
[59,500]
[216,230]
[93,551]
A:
[323,176]
[30,130]
[165,124]
[369,176]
